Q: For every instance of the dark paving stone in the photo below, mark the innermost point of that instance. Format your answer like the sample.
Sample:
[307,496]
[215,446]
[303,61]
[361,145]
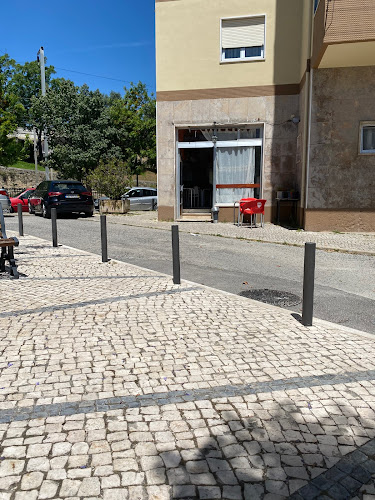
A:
[345,478]
[105,404]
[114,401]
[71,411]
[361,474]
[351,484]
[108,300]
[357,457]
[322,482]
[309,492]
[136,404]
[369,448]
[335,474]
[338,492]
[345,465]
[20,417]
[369,465]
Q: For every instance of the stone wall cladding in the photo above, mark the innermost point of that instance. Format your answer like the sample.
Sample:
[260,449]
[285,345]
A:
[340,220]
[280,136]
[18,178]
[340,177]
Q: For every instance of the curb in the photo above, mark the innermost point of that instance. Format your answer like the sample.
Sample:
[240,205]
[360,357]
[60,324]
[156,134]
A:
[245,300]
[255,240]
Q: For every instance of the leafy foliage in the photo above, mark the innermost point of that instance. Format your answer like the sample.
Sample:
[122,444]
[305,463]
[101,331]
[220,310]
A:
[83,127]
[10,149]
[135,120]
[111,179]
[26,84]
[78,126]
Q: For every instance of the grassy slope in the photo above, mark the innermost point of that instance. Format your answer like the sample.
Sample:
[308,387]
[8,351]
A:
[146,176]
[26,166]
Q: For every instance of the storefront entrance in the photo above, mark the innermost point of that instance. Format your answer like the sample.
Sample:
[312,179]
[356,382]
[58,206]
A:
[196,179]
[217,167]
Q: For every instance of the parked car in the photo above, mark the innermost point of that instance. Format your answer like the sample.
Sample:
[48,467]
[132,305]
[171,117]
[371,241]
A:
[22,199]
[142,198]
[5,200]
[64,195]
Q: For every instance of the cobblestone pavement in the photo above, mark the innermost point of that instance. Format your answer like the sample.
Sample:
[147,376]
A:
[117,384]
[362,243]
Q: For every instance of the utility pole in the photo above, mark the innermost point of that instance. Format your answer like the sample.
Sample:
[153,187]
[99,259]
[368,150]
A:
[35,158]
[40,58]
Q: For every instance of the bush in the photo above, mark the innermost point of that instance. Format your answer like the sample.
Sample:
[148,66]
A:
[111,179]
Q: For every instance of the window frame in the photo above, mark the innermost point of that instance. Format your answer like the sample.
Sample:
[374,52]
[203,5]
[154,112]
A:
[362,125]
[242,59]
[242,56]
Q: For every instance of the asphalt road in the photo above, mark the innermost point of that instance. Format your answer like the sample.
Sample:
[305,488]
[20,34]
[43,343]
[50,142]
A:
[344,285]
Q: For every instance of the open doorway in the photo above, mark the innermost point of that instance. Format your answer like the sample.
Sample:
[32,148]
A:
[196,170]
[217,167]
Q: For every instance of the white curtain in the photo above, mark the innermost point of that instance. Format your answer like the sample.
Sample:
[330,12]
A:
[235,166]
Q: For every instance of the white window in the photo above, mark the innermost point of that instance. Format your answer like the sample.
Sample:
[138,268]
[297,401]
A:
[367,137]
[242,39]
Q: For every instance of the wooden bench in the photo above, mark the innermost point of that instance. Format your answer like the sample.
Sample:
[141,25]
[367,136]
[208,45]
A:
[7,248]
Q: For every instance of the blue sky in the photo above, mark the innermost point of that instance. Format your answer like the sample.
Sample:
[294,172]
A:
[113,38]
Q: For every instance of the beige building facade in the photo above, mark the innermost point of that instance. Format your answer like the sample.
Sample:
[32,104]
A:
[248,105]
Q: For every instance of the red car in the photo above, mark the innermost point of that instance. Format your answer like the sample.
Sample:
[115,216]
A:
[22,199]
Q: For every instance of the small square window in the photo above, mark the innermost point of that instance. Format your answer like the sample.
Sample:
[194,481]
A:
[243,39]
[367,138]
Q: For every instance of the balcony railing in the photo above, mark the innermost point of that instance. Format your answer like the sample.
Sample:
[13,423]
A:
[342,21]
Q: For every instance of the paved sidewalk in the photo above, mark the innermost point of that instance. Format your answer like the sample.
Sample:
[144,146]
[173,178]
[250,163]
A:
[117,384]
[361,243]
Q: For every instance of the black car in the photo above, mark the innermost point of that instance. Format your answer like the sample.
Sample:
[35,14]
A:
[66,196]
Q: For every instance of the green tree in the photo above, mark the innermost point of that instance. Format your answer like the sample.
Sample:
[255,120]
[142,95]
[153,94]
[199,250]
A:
[134,117]
[25,83]
[110,178]
[10,109]
[79,128]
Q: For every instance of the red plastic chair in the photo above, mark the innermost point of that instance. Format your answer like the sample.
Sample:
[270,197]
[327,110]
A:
[251,207]
[242,200]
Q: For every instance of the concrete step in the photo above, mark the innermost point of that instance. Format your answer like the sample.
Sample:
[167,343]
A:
[195,217]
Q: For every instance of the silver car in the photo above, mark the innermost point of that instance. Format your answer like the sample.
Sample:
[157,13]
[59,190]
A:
[5,201]
[142,198]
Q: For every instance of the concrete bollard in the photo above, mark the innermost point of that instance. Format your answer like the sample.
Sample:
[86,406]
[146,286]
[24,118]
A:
[308,284]
[176,256]
[54,226]
[20,219]
[103,234]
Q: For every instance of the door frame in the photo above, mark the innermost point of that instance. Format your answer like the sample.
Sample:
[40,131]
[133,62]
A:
[191,145]
[214,145]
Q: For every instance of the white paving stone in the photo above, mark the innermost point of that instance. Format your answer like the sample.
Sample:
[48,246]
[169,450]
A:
[143,336]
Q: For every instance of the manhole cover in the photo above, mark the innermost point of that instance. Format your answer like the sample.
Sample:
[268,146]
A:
[274,297]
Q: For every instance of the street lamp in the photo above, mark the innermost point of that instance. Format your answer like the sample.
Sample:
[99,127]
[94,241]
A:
[40,59]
